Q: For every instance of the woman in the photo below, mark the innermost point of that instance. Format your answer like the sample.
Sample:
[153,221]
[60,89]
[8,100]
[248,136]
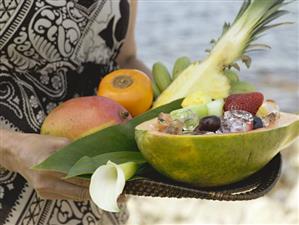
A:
[53,50]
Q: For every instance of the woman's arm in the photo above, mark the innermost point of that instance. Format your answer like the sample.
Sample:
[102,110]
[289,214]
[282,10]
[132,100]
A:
[127,57]
[19,152]
[6,148]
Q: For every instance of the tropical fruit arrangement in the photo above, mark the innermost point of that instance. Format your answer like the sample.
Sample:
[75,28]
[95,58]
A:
[198,124]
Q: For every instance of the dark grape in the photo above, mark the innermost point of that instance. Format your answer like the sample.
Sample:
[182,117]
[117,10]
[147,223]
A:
[257,123]
[209,123]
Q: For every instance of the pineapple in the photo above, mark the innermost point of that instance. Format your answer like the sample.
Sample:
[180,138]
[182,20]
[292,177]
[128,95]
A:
[233,45]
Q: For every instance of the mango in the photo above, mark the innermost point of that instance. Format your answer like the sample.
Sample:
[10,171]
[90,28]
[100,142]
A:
[82,116]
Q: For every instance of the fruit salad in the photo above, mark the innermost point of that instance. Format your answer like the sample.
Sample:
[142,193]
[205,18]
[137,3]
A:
[237,113]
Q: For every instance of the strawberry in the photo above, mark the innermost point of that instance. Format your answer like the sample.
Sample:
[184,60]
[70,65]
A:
[249,102]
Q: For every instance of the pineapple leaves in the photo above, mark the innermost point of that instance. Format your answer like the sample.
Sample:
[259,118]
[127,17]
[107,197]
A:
[235,65]
[271,12]
[243,8]
[254,18]
[274,16]
[255,46]
[226,27]
[247,60]
[264,28]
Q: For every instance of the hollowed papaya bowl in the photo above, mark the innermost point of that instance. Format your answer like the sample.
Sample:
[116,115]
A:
[217,159]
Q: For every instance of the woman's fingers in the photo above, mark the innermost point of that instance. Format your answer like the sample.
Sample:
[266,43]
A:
[37,148]
[33,149]
[74,180]
[78,181]
[56,143]
[55,196]
[51,196]
[60,143]
[62,190]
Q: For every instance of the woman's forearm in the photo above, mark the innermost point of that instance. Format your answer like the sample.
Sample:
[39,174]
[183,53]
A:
[8,141]
[20,151]
[134,63]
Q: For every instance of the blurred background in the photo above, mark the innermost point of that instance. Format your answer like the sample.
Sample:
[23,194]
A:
[168,29]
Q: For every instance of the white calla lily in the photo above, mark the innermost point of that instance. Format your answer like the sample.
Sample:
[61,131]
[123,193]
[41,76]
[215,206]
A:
[108,182]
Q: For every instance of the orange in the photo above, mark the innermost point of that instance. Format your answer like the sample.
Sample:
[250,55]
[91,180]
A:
[130,88]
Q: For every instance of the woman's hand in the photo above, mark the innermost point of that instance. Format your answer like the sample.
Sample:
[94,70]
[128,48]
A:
[19,152]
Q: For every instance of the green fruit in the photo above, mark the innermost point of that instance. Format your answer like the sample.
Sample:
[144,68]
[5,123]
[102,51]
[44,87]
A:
[156,90]
[187,117]
[241,87]
[200,110]
[161,76]
[184,113]
[215,108]
[214,160]
[190,115]
[232,76]
[196,98]
[179,65]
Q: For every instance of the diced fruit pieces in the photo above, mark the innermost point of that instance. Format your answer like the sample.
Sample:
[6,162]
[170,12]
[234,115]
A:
[189,118]
[268,106]
[236,114]
[199,110]
[269,112]
[249,102]
[167,125]
[215,108]
[236,121]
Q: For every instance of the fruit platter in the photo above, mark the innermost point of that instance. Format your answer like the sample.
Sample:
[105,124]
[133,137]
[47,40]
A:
[197,131]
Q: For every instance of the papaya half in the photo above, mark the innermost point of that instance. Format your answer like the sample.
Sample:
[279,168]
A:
[217,159]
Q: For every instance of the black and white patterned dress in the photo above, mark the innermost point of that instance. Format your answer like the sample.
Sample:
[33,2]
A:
[50,51]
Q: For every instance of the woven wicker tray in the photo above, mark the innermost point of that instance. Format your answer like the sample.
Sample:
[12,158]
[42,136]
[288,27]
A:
[252,187]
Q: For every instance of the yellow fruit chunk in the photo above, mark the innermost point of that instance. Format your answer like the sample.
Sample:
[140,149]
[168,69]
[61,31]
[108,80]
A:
[269,106]
[196,98]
